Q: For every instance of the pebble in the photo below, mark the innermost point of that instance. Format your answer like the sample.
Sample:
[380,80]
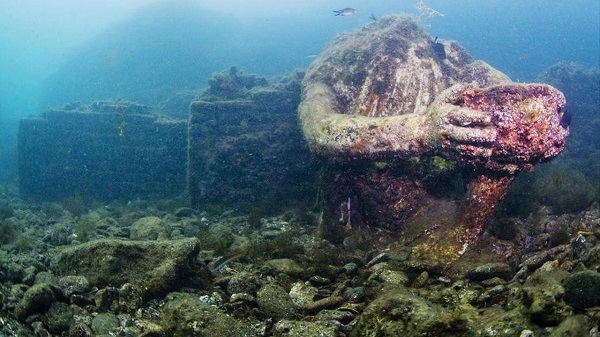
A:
[355,294]
[421,280]
[490,270]
[350,268]
[80,330]
[325,303]
[242,297]
[382,257]
[319,281]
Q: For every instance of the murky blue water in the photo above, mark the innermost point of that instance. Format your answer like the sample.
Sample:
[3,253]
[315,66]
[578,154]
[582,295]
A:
[146,51]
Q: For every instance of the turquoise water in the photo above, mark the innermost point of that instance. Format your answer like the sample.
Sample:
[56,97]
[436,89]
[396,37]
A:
[146,51]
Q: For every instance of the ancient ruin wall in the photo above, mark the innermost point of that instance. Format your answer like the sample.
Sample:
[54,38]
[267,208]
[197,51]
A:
[105,151]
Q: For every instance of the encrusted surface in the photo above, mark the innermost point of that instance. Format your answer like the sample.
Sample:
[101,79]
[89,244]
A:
[390,92]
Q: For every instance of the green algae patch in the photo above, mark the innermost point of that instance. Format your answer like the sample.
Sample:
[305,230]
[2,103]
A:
[154,266]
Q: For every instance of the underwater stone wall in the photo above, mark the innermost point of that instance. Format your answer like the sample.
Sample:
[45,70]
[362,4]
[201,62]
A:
[106,151]
[246,149]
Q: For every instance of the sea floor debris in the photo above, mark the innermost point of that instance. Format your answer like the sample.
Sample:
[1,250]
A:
[219,275]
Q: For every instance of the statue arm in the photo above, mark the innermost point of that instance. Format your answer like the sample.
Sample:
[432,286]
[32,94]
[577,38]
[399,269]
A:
[445,129]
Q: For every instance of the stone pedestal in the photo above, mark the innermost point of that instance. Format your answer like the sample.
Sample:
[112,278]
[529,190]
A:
[249,153]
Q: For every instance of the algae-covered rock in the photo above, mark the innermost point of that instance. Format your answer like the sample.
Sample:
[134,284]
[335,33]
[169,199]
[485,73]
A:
[542,296]
[275,302]
[285,328]
[573,326]
[285,266]
[582,289]
[243,282]
[59,317]
[74,284]
[148,228]
[386,272]
[183,315]
[490,270]
[36,300]
[105,324]
[399,312]
[154,266]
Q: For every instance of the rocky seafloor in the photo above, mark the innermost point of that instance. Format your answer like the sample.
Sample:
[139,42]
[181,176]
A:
[81,268]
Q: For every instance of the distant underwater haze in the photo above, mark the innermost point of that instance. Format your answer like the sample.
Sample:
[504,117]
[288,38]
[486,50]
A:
[150,51]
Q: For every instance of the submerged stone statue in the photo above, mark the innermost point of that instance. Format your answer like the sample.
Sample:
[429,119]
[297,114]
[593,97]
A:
[394,110]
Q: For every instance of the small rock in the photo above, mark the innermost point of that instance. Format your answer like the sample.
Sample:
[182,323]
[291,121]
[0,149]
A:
[492,282]
[284,266]
[45,277]
[492,296]
[550,266]
[243,282]
[59,317]
[350,268]
[355,294]
[73,284]
[319,281]
[105,323]
[398,311]
[148,228]
[325,303]
[149,329]
[184,315]
[421,280]
[385,272]
[271,233]
[527,333]
[80,330]
[490,270]
[287,328]
[302,294]
[242,297]
[340,315]
[105,297]
[382,257]
[39,330]
[393,277]
[542,296]
[81,300]
[275,302]
[573,326]
[155,266]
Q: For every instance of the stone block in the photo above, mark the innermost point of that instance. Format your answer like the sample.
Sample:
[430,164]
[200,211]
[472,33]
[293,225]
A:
[248,152]
[105,151]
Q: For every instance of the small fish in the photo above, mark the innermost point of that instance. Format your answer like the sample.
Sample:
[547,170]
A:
[565,118]
[373,17]
[345,12]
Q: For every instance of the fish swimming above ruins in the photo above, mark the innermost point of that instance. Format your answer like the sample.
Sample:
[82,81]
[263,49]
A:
[345,12]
